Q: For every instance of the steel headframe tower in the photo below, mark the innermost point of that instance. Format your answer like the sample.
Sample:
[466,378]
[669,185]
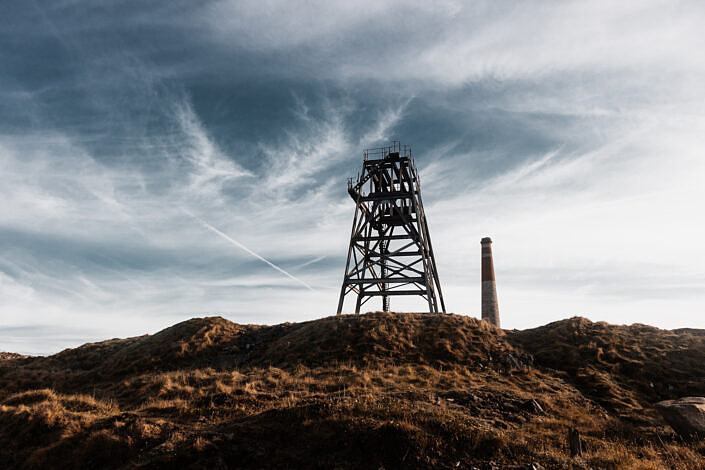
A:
[390,248]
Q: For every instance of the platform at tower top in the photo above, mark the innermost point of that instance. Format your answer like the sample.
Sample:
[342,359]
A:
[392,151]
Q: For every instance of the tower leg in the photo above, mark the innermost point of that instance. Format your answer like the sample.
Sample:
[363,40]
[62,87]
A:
[342,298]
[347,262]
[383,269]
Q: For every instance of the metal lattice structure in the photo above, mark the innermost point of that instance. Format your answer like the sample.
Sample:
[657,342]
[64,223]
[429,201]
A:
[390,247]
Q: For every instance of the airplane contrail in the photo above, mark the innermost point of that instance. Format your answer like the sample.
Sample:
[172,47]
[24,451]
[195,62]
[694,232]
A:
[243,247]
[315,260]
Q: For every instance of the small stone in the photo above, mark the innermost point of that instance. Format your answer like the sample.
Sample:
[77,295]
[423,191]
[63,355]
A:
[508,360]
[535,466]
[532,406]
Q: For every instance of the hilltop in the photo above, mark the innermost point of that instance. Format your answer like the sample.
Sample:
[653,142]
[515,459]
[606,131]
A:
[381,390]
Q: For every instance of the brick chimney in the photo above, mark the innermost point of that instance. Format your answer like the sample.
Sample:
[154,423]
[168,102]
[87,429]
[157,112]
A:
[490,310]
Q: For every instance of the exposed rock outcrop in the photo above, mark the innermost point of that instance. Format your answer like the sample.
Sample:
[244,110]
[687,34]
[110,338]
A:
[685,415]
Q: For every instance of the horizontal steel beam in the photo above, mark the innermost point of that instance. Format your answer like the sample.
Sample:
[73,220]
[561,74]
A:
[395,292]
[361,238]
[387,195]
[385,280]
[394,255]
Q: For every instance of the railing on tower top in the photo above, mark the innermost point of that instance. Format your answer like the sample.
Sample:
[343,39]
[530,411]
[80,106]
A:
[381,152]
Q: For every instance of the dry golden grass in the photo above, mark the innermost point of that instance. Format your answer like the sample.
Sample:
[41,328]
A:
[369,391]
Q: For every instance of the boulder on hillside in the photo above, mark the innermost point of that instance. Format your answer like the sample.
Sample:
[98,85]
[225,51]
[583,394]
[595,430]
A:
[685,415]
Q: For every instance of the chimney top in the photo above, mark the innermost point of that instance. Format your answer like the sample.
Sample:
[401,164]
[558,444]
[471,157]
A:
[486,240]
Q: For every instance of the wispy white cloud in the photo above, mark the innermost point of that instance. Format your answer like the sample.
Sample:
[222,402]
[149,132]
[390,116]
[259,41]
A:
[453,42]
[296,162]
[570,133]
[211,168]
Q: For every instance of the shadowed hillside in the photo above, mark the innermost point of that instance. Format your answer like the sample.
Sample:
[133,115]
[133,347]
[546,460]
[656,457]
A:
[369,391]
[624,368]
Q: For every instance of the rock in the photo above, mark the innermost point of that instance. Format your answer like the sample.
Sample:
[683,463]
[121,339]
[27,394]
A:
[526,359]
[519,361]
[532,406]
[508,360]
[685,415]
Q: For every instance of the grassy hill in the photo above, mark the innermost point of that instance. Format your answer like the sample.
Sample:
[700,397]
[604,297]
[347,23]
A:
[381,390]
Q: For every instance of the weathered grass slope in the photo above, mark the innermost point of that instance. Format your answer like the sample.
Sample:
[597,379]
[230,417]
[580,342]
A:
[367,391]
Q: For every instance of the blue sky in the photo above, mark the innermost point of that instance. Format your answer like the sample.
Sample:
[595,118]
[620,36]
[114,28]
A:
[143,145]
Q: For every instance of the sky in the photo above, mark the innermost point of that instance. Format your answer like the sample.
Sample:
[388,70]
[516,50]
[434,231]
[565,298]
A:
[166,160]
